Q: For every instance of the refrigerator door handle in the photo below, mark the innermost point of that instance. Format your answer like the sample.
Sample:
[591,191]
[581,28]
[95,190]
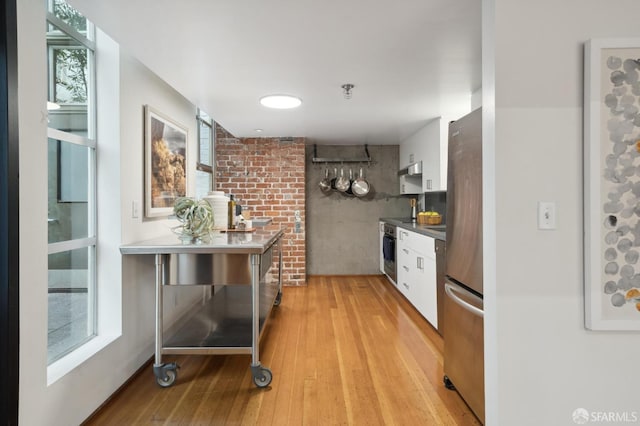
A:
[451,290]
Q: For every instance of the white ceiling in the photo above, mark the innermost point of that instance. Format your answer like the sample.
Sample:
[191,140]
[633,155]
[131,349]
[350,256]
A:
[410,60]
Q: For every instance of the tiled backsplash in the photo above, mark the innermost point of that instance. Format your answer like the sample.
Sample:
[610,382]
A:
[436,201]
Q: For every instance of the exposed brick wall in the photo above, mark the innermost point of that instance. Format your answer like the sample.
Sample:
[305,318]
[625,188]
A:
[267,175]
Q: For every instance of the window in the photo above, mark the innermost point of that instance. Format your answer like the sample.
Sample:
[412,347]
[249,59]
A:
[206,147]
[71,180]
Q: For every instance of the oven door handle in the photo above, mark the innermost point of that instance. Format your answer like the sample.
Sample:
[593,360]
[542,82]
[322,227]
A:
[451,292]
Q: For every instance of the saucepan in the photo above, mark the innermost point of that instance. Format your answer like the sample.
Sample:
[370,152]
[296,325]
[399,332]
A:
[325,184]
[335,178]
[342,183]
[349,190]
[360,186]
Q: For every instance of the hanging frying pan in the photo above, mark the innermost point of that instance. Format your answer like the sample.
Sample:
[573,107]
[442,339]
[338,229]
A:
[360,186]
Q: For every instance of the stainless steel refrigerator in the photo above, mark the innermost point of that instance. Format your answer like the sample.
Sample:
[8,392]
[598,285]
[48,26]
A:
[463,304]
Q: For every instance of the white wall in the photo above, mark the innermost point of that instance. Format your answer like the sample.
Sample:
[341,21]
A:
[140,87]
[546,363]
[32,89]
[69,399]
[476,99]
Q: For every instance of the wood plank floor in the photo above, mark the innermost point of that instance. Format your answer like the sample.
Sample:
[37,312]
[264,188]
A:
[343,351]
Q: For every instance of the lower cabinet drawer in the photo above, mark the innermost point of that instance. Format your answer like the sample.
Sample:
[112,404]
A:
[418,242]
[417,282]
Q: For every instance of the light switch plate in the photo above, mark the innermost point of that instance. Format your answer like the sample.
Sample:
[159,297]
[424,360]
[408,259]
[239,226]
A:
[135,209]
[546,215]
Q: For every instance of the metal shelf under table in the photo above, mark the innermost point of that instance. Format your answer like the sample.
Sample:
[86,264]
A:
[223,325]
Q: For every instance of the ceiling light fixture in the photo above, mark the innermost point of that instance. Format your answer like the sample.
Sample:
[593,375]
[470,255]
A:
[280,101]
[346,90]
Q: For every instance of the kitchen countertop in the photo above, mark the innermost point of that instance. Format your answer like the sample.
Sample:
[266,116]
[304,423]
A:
[429,231]
[256,242]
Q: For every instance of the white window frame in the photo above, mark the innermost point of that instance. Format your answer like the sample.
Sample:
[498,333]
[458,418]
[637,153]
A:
[88,141]
[203,118]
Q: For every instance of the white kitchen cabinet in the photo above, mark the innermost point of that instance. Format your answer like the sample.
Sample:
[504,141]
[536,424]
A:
[416,262]
[418,242]
[408,275]
[404,268]
[431,168]
[434,163]
[429,145]
[409,153]
[427,288]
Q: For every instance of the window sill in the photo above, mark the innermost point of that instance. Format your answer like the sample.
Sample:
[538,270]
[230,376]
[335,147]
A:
[64,365]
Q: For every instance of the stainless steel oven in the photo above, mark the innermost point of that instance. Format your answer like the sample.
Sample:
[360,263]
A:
[389,251]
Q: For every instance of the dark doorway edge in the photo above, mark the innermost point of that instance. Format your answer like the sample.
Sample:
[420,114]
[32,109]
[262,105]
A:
[9,214]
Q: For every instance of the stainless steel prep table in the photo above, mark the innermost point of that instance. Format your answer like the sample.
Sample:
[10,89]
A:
[231,321]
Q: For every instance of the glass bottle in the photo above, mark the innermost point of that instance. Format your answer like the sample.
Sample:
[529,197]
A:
[232,213]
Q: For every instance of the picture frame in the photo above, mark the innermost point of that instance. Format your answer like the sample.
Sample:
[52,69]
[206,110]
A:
[165,170]
[612,184]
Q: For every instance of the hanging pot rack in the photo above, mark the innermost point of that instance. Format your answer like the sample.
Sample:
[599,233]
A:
[317,159]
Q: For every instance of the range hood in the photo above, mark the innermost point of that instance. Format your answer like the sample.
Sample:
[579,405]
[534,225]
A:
[414,169]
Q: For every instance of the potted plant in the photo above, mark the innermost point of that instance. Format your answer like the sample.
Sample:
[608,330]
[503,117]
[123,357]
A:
[196,218]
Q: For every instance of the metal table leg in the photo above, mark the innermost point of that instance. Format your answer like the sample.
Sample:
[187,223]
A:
[261,375]
[165,373]
[279,296]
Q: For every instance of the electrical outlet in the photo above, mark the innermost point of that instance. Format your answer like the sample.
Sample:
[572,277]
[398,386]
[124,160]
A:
[135,209]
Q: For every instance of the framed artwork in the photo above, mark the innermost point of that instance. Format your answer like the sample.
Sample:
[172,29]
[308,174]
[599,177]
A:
[612,184]
[165,171]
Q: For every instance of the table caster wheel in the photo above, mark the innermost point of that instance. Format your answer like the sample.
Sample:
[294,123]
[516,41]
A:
[262,378]
[166,374]
[278,300]
[168,379]
[448,383]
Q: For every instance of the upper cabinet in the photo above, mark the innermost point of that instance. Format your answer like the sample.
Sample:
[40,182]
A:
[431,180]
[428,145]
